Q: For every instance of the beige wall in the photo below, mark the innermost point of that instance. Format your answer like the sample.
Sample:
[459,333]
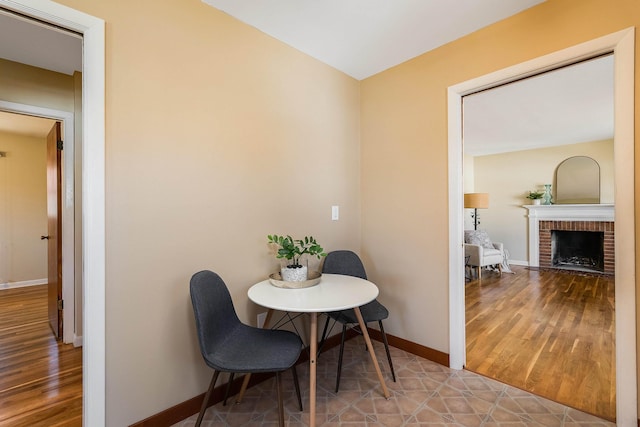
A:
[212,126]
[34,86]
[404,151]
[404,134]
[23,208]
[216,135]
[509,177]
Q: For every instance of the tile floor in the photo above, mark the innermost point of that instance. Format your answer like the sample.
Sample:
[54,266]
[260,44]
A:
[425,394]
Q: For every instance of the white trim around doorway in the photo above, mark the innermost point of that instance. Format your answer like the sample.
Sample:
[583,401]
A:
[622,44]
[93,193]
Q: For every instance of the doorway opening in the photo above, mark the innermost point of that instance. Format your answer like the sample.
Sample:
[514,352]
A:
[622,46]
[92,30]
[70,334]
[572,108]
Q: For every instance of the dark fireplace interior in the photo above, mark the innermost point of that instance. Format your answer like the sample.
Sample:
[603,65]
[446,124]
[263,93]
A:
[577,250]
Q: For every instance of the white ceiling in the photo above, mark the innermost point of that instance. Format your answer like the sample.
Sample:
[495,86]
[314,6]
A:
[32,43]
[25,125]
[567,106]
[364,37]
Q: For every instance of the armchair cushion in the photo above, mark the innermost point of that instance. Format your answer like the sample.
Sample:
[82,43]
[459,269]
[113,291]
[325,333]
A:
[480,256]
[478,237]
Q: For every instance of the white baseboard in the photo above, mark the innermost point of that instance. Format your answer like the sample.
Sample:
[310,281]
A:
[11,285]
[517,262]
[77,340]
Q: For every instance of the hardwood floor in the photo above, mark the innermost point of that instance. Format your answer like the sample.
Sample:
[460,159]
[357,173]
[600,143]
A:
[550,333]
[40,378]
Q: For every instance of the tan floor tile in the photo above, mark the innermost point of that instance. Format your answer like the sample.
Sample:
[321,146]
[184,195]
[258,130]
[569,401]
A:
[501,415]
[458,405]
[425,394]
[384,406]
[389,420]
[447,391]
[469,420]
[409,405]
[480,406]
[547,420]
[428,415]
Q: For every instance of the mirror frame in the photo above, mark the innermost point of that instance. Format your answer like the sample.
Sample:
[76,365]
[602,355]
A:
[571,191]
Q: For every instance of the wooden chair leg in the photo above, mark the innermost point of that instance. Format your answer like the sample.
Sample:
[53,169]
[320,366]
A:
[205,402]
[479,273]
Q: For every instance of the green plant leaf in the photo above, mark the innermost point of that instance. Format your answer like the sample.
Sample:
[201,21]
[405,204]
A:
[292,249]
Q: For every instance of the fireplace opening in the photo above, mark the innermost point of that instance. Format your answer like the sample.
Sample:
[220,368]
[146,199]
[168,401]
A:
[577,250]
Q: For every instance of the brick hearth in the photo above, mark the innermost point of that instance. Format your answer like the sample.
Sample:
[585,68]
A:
[545,228]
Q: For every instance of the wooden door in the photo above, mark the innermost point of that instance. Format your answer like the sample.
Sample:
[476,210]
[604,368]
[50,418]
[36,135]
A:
[54,228]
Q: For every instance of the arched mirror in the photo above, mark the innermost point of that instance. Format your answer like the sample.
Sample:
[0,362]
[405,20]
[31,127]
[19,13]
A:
[578,181]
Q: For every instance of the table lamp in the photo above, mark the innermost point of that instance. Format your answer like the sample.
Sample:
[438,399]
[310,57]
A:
[476,201]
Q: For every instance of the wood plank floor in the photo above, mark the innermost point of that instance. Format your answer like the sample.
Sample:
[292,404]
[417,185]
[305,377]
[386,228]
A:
[550,333]
[40,378]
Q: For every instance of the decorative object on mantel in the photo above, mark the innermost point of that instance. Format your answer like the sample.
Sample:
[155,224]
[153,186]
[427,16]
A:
[476,201]
[291,250]
[547,198]
[578,181]
[535,197]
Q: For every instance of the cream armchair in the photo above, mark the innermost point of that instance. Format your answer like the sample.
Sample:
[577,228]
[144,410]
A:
[481,251]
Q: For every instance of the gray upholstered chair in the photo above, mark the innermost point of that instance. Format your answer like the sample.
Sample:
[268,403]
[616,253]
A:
[228,345]
[348,263]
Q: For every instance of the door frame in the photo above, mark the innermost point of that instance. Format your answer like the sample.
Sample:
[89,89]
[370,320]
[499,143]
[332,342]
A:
[68,208]
[622,44]
[93,193]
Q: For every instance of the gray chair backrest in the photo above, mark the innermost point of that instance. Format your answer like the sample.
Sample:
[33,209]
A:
[213,309]
[344,262]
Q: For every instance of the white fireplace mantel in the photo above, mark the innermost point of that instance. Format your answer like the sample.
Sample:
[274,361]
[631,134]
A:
[536,213]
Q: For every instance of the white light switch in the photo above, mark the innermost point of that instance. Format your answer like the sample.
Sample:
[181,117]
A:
[335,213]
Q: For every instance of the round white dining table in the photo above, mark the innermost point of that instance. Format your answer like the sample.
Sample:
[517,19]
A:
[335,292]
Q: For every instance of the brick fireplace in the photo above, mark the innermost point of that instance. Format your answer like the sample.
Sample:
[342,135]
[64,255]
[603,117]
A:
[604,228]
[546,223]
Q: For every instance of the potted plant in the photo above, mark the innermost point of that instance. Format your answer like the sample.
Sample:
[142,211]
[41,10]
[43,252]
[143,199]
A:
[291,250]
[535,196]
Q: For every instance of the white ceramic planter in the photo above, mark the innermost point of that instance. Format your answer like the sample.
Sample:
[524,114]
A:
[294,274]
